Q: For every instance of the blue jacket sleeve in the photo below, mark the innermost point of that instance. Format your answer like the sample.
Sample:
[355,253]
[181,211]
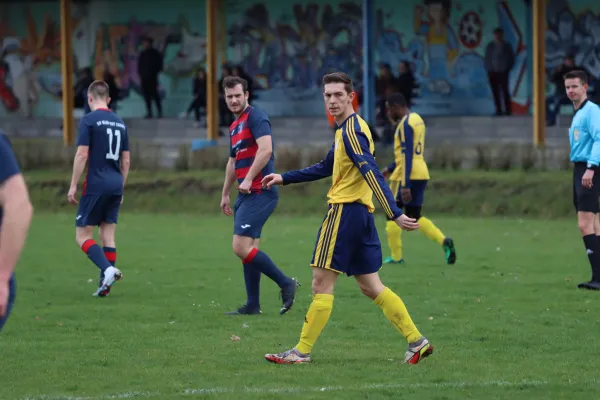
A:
[391,167]
[594,127]
[408,149]
[357,148]
[315,172]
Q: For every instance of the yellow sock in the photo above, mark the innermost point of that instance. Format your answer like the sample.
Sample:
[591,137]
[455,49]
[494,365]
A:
[394,236]
[314,322]
[431,231]
[394,309]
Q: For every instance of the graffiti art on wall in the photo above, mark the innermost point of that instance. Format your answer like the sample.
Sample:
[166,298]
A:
[30,79]
[289,46]
[573,30]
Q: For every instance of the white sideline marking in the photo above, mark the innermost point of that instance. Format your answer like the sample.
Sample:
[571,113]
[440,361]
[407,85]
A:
[376,386]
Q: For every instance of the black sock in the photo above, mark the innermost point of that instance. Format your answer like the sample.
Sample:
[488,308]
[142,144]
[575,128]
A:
[592,246]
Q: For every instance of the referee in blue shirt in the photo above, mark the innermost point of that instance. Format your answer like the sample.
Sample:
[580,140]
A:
[584,137]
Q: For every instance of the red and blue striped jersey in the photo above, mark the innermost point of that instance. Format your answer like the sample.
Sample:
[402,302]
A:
[251,125]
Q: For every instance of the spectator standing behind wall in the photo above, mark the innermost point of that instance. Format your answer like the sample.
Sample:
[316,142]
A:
[499,60]
[150,65]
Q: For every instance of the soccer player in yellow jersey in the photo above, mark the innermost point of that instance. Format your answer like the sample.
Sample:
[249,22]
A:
[408,176]
[348,241]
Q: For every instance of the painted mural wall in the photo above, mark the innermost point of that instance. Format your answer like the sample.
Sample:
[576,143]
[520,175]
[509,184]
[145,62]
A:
[287,47]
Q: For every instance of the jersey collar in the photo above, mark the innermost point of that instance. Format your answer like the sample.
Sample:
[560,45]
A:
[581,106]
[342,124]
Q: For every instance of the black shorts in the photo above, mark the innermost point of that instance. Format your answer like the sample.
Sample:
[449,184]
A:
[585,199]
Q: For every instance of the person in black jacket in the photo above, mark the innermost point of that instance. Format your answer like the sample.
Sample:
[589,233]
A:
[150,65]
[199,90]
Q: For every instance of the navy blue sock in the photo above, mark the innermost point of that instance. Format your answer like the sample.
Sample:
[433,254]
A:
[252,279]
[111,255]
[95,253]
[264,264]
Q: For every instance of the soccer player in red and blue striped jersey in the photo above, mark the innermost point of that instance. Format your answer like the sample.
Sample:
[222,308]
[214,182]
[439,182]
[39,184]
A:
[250,159]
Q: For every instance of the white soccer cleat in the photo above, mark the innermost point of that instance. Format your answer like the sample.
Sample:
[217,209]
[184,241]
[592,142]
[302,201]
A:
[111,275]
[414,354]
[292,356]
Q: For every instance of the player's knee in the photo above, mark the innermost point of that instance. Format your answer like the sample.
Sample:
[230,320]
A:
[586,223]
[242,248]
[413,212]
[81,236]
[371,290]
[323,281]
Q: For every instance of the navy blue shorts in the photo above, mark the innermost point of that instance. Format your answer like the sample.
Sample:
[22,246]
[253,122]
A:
[348,241]
[417,192]
[94,210]
[12,293]
[251,212]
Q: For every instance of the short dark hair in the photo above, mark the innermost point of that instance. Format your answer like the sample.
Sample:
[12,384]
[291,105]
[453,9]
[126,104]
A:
[499,31]
[577,73]
[339,77]
[397,99]
[229,82]
[99,90]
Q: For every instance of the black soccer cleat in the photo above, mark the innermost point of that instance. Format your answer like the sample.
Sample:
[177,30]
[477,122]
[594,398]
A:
[450,250]
[288,295]
[591,285]
[245,310]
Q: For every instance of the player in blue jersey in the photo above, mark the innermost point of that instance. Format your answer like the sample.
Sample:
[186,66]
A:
[584,137]
[15,217]
[251,158]
[102,144]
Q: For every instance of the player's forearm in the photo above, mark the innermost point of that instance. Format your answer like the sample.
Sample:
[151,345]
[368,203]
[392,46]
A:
[229,177]
[260,161]
[125,164]
[309,174]
[15,225]
[391,167]
[380,189]
[78,167]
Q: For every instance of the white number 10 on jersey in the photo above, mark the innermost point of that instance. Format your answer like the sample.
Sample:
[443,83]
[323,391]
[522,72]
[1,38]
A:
[116,135]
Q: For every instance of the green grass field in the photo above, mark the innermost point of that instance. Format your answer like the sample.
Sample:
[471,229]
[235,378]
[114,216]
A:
[506,321]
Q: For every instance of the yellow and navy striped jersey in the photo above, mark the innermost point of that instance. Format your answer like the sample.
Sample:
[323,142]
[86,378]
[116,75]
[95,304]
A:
[409,151]
[351,164]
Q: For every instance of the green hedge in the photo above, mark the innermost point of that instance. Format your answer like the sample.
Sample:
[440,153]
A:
[467,193]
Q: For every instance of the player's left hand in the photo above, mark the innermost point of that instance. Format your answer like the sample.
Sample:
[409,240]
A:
[588,179]
[406,195]
[245,186]
[71,195]
[407,223]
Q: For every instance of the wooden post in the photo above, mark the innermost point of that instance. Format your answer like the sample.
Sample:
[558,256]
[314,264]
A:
[539,73]
[66,66]
[212,100]
[223,31]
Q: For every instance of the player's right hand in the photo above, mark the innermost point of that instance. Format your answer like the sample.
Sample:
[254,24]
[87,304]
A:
[271,179]
[385,172]
[4,292]
[71,195]
[225,206]
[407,223]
